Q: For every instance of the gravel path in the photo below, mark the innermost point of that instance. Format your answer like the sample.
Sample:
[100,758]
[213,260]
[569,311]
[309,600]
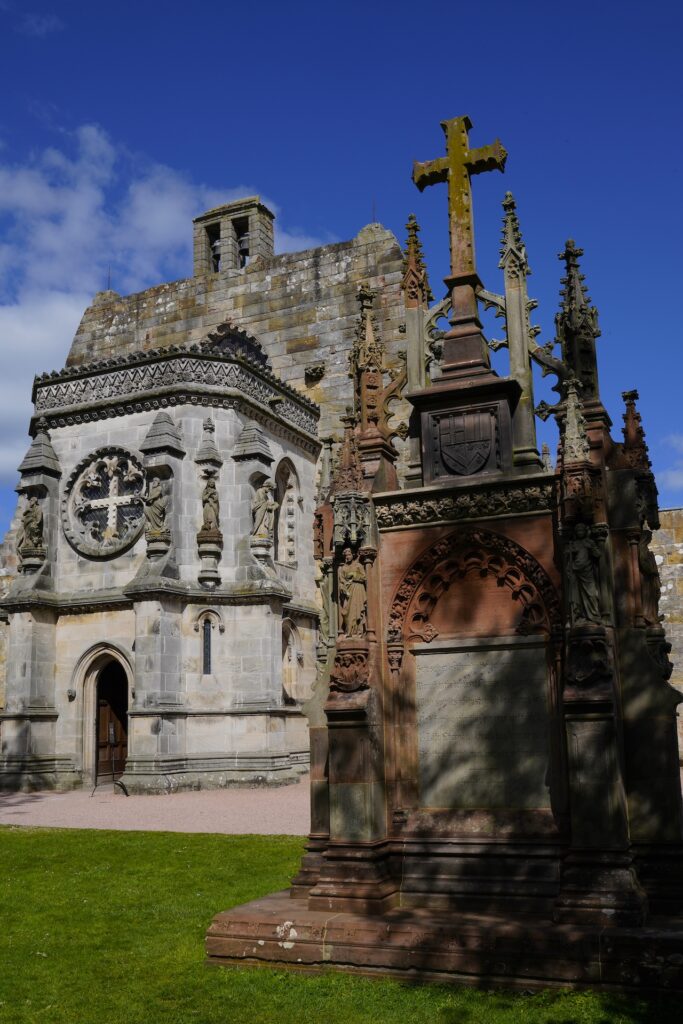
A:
[283,810]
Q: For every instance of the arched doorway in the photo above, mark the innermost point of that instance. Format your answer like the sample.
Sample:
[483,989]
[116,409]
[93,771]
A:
[111,722]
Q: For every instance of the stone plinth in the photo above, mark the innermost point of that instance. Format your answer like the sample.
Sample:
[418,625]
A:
[470,949]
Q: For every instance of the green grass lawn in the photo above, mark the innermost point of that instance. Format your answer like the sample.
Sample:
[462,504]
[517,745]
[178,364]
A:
[108,928]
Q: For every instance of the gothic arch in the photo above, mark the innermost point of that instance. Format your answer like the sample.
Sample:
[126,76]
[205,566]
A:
[84,686]
[288,497]
[292,661]
[206,622]
[472,551]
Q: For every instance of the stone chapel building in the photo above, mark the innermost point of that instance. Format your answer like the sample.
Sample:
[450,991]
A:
[159,621]
[159,616]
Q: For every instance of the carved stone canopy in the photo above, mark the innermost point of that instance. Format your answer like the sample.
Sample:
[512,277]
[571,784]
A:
[102,509]
[472,551]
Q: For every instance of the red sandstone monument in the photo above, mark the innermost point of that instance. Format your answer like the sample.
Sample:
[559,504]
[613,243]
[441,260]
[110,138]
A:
[495,786]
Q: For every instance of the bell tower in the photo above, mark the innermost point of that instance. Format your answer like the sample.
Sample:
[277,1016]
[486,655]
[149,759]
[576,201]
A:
[229,237]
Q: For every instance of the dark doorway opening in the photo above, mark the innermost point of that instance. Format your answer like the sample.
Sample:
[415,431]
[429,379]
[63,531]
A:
[112,722]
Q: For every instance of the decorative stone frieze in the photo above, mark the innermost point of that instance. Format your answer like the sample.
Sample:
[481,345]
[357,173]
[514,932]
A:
[490,503]
[176,372]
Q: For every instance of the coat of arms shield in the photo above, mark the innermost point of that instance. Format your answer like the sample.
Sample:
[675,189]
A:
[465,440]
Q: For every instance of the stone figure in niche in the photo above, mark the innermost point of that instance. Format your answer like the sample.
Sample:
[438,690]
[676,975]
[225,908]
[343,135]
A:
[353,606]
[30,533]
[582,570]
[263,508]
[651,586]
[156,507]
[210,506]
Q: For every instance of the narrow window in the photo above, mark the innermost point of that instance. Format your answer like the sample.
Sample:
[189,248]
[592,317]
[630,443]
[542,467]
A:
[206,647]
[213,235]
[241,226]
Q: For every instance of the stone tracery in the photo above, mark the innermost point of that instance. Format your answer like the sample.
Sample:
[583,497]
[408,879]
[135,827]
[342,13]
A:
[102,511]
[470,551]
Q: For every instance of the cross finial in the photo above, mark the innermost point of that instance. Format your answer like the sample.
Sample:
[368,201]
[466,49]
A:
[457,168]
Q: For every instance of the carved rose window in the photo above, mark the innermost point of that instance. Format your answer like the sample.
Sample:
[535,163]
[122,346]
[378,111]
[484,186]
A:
[102,510]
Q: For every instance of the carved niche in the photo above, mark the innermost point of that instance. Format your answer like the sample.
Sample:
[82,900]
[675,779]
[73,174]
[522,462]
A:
[485,554]
[102,508]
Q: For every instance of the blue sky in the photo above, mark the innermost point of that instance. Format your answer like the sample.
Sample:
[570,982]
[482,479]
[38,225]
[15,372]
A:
[120,122]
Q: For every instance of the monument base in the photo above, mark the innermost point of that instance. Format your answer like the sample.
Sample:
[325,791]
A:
[464,948]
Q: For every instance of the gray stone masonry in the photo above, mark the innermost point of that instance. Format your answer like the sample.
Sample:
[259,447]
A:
[302,307]
[667,545]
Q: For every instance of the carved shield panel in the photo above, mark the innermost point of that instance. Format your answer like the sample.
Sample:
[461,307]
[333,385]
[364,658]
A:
[465,440]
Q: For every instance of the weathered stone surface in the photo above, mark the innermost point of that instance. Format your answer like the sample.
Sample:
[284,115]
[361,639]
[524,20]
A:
[667,546]
[482,737]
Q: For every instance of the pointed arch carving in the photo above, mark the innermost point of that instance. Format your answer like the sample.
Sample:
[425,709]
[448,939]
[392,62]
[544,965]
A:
[479,552]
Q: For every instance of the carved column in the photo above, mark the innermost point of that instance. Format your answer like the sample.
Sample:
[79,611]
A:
[598,880]
[354,872]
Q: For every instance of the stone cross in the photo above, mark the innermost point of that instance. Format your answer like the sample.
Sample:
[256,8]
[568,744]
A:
[112,502]
[456,168]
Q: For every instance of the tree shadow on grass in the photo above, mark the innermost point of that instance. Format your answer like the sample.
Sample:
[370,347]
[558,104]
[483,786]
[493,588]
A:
[607,1008]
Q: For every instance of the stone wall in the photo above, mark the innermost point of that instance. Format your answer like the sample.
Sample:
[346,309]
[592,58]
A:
[8,570]
[667,545]
[302,307]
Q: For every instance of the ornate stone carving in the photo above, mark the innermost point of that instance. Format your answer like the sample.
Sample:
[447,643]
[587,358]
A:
[102,511]
[415,283]
[650,582]
[352,591]
[575,446]
[252,444]
[478,551]
[503,501]
[208,453]
[30,533]
[351,519]
[660,649]
[175,375]
[589,663]
[314,373]
[210,538]
[582,559]
[465,439]
[210,506]
[30,541]
[350,670]
[155,502]
[263,508]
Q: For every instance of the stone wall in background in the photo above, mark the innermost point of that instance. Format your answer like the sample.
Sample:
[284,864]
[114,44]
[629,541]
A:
[667,544]
[302,307]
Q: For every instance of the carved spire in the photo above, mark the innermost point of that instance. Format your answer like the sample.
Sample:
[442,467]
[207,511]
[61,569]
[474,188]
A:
[41,456]
[575,445]
[520,335]
[635,448]
[513,258]
[577,325]
[415,282]
[348,473]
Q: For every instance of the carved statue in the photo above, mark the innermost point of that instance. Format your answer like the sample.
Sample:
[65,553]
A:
[583,556]
[353,607]
[263,508]
[210,506]
[651,585]
[156,507]
[30,533]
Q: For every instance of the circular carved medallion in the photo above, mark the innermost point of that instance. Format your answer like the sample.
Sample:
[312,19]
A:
[102,509]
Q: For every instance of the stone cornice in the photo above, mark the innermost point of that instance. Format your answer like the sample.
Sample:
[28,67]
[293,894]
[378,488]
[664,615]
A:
[165,378]
[109,600]
[495,499]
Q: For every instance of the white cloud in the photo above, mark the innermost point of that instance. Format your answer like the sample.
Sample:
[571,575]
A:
[672,478]
[39,25]
[70,217]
